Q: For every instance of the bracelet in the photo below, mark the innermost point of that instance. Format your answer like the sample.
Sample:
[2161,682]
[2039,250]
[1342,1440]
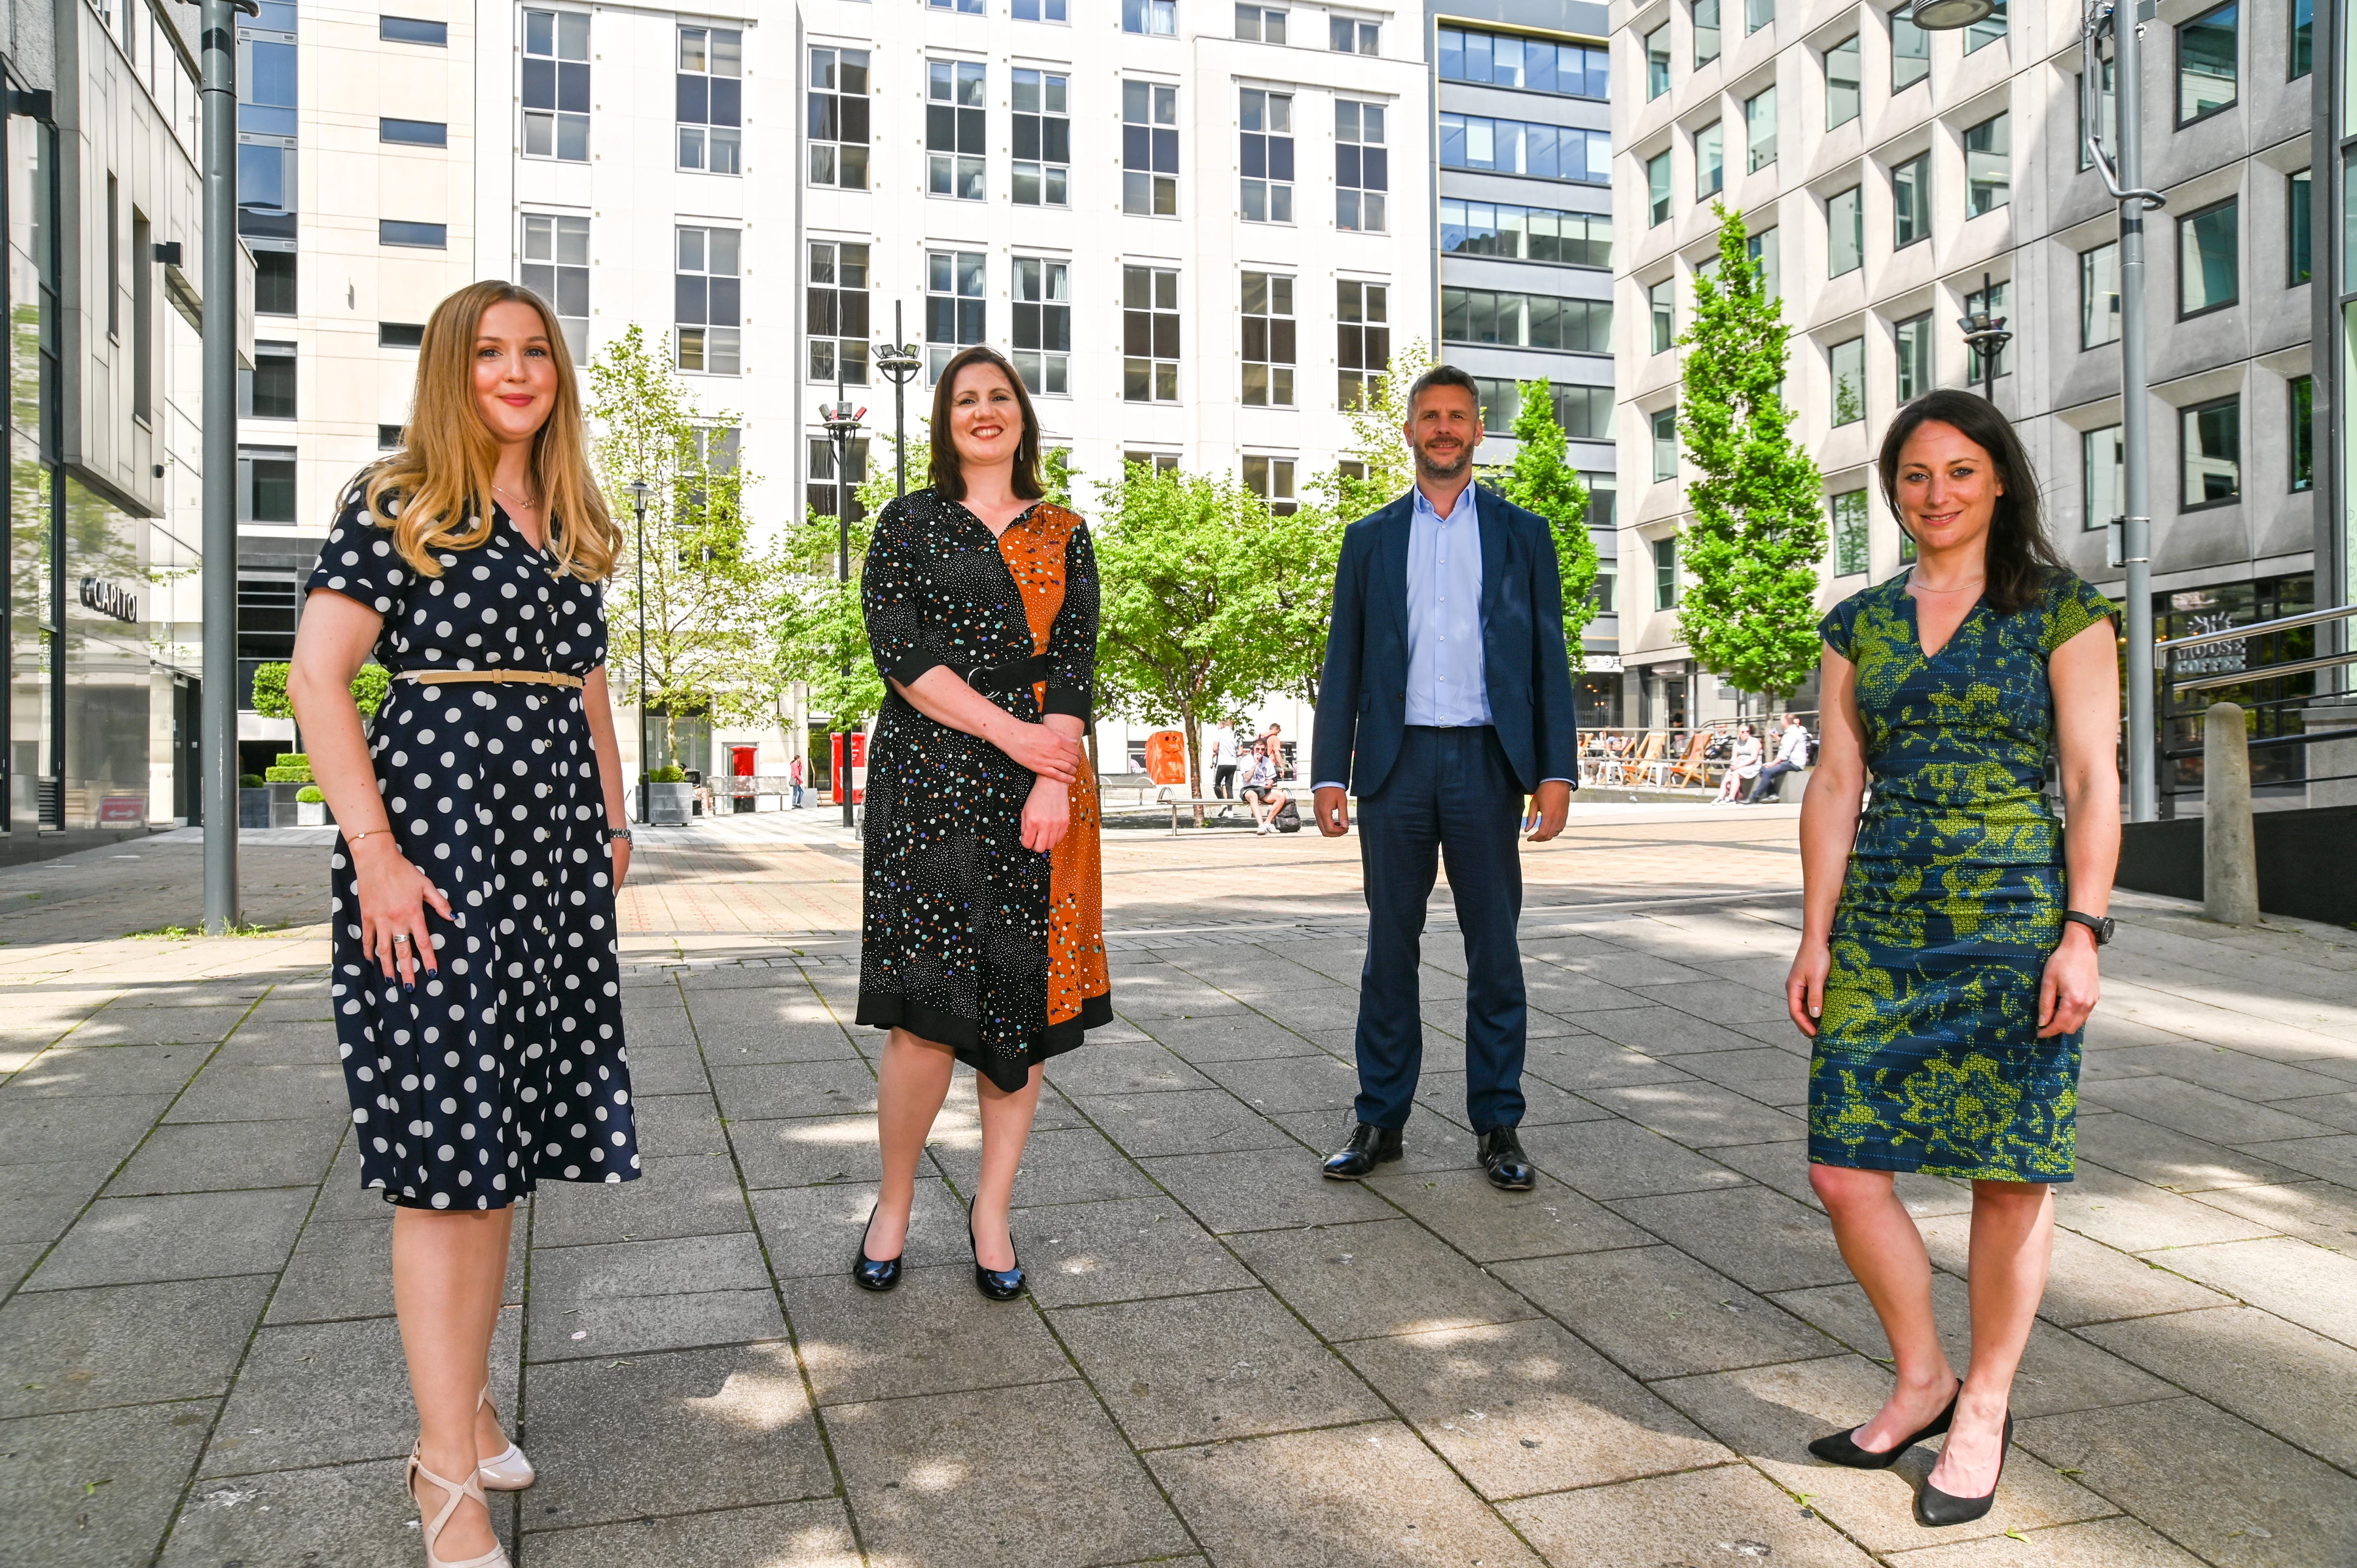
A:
[621,833]
[352,841]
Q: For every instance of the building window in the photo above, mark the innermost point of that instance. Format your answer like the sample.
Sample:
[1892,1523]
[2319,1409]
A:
[412,236]
[1600,593]
[1583,413]
[1362,166]
[412,30]
[2301,235]
[1664,426]
[827,495]
[1268,340]
[1665,569]
[1912,338]
[1906,546]
[413,133]
[557,268]
[1270,478]
[1159,17]
[1842,96]
[2209,270]
[1043,138]
[1910,201]
[1850,540]
[1759,129]
[1525,233]
[2303,39]
[1344,36]
[1043,323]
[1911,52]
[1848,363]
[1149,149]
[1657,189]
[1706,32]
[274,282]
[1992,301]
[1149,334]
[1985,31]
[2212,437]
[2103,459]
[955,311]
[388,438]
[2107,112]
[1988,166]
[1761,248]
[1845,231]
[835,312]
[1266,149]
[1362,346]
[271,382]
[1710,160]
[1663,297]
[1532,64]
[839,118]
[2303,431]
[2206,63]
[1158,462]
[711,98]
[954,129]
[1525,320]
[1041,11]
[1260,25]
[556,85]
[708,307]
[1657,62]
[1758,14]
[1517,146]
[963,7]
[2099,295]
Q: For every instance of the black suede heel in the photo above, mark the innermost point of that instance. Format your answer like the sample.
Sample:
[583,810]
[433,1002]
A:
[1935,1507]
[1838,1448]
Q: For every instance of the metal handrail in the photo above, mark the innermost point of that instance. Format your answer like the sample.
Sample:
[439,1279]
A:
[2262,673]
[2256,628]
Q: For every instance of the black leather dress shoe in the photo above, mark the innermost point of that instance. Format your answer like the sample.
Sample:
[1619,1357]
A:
[1935,1507]
[874,1274]
[1841,1447]
[1367,1147]
[1502,1156]
[998,1284]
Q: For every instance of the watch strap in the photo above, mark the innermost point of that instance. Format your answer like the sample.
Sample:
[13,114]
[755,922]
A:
[2101,925]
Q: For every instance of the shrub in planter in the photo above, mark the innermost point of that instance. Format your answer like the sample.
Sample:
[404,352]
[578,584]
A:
[251,781]
[293,767]
[310,795]
[668,775]
[368,689]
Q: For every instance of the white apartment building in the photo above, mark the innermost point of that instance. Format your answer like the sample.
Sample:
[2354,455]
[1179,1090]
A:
[1889,175]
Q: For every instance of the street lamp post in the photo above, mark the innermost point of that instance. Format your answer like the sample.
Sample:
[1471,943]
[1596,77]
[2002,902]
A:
[842,422]
[1985,333]
[640,490]
[900,361]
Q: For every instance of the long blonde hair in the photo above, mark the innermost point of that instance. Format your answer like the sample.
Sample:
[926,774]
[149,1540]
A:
[436,493]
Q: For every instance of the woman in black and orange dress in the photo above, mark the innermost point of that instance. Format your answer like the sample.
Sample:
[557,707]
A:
[984,938]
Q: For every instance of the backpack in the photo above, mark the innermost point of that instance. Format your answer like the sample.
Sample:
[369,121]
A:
[1285,819]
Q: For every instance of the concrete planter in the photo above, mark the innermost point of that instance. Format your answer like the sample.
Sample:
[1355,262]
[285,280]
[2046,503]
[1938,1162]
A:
[669,805]
[253,808]
[310,813]
[282,805]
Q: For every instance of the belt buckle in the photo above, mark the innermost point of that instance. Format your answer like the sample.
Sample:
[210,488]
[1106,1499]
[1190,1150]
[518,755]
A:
[974,677]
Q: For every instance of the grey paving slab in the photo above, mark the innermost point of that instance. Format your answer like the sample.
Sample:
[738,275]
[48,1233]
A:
[1230,1036]
[611,1326]
[114,1345]
[96,1488]
[1700,1115]
[1728,1514]
[671,1124]
[1140,1069]
[2277,1375]
[2338,1110]
[2208,1481]
[686,1195]
[97,1128]
[329,1516]
[1368,1494]
[1768,1414]
[70,1072]
[123,1025]
[239,1091]
[2294,1280]
[770,1090]
[44,1209]
[341,1268]
[2115,1542]
[1312,1082]
[1262,1190]
[1582,1062]
[813,1534]
[2171,1160]
[1519,1407]
[1657,1313]
[1544,1105]
[2315,1211]
[2202,1112]
[1565,994]
[820,1229]
[667,1069]
[222,1156]
[2332,1157]
[1170,992]
[2135,1217]
[1486,1225]
[257,1043]
[2229,1072]
[2088,1283]
[1386,1276]
[1617,1159]
[672,1434]
[1720,1001]
[1182,1121]
[570,1276]
[1427,1143]
[16,1260]
[778,1018]
[1128,1250]
[989,1479]
[1663,1031]
[933,1334]
[1759,1239]
[123,1241]
[1059,1165]
[806,1150]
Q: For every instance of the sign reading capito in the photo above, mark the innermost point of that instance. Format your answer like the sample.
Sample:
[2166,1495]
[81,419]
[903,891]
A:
[110,599]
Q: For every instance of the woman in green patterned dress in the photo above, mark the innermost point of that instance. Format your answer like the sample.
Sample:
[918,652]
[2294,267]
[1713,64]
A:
[1947,959]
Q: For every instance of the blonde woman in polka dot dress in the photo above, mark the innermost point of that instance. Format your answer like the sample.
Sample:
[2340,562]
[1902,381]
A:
[484,835]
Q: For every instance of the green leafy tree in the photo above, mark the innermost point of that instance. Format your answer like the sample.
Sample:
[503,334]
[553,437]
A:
[821,631]
[1539,481]
[708,589]
[1379,466]
[1758,526]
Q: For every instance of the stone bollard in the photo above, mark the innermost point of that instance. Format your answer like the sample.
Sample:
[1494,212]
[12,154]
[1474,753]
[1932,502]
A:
[2230,868]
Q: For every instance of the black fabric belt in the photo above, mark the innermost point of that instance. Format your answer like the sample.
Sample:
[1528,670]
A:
[1012,676]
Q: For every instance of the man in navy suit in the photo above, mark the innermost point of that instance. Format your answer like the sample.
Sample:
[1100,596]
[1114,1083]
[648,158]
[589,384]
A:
[1446,700]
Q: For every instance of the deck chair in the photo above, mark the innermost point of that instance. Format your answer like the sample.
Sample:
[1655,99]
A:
[1647,756]
[1691,767]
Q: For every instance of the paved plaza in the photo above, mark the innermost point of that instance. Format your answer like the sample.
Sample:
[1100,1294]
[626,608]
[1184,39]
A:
[1223,1360]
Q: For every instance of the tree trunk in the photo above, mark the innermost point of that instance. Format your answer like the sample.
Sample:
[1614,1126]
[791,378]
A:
[1193,731]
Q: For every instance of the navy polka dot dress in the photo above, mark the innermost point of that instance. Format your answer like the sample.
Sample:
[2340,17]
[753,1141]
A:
[507,1068]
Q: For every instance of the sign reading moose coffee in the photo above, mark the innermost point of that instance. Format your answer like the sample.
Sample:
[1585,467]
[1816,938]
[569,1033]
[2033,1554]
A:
[110,599]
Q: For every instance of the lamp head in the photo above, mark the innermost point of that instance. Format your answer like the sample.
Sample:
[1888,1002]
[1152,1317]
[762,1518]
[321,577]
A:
[1948,15]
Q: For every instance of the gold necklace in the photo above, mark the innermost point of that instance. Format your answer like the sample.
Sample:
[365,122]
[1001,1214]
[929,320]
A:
[527,505]
[1922,588]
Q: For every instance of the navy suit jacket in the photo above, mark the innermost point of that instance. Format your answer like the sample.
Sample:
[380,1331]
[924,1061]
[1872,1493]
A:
[1362,696]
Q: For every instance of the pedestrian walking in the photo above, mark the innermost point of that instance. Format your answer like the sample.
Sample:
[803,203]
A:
[1263,798]
[983,940]
[1948,951]
[794,778]
[1224,764]
[484,833]
[1791,754]
[1446,699]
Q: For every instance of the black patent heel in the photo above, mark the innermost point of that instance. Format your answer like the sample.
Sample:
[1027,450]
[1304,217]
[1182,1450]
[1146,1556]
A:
[1935,1509]
[998,1284]
[1841,1448]
[874,1274]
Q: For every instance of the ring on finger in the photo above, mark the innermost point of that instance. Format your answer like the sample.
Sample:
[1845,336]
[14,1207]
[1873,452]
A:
[399,938]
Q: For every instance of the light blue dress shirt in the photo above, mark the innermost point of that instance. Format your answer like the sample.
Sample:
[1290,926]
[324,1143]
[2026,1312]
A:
[1446,687]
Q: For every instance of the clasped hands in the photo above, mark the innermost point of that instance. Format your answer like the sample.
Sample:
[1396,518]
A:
[1054,761]
[1548,809]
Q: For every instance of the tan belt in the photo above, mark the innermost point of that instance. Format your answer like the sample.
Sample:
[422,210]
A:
[496,677]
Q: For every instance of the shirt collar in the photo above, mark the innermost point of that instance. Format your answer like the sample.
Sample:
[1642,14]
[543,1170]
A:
[1462,509]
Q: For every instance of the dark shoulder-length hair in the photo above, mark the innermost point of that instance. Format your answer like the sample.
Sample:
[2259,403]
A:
[2020,556]
[948,476]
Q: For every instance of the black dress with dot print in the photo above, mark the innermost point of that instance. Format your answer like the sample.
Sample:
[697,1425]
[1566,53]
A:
[507,1068]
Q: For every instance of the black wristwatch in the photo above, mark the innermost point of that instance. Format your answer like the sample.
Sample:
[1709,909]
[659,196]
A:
[2101,925]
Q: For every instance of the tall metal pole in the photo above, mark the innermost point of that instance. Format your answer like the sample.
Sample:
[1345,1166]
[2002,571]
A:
[899,401]
[842,424]
[217,96]
[638,488]
[2136,439]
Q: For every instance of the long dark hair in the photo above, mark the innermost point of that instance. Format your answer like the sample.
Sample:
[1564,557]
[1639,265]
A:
[947,475]
[2020,556]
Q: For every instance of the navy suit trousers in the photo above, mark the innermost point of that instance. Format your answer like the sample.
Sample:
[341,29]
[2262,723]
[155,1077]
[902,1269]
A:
[1452,795]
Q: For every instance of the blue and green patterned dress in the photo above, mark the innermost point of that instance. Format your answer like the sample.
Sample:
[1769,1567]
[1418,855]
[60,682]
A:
[1927,1056]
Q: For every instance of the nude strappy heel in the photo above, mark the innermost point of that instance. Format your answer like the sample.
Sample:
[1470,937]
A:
[505,1472]
[453,1495]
